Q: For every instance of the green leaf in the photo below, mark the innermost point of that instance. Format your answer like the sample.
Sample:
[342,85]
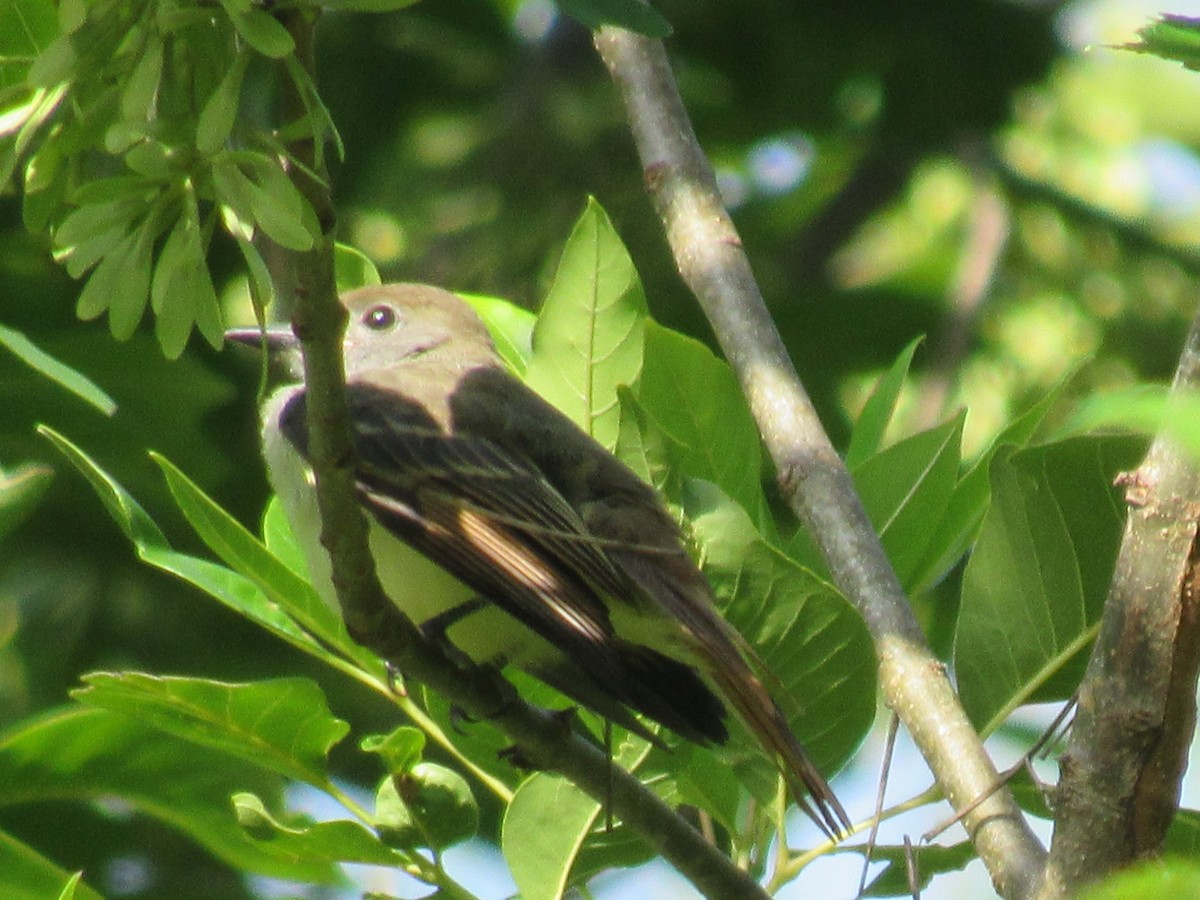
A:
[400,750]
[427,806]
[511,328]
[812,641]
[1037,579]
[967,505]
[588,338]
[261,30]
[54,65]
[230,588]
[242,552]
[544,828]
[867,437]
[631,14]
[20,490]
[930,860]
[58,372]
[272,203]
[695,399]
[220,109]
[27,875]
[353,268]
[283,724]
[94,755]
[1145,409]
[1151,880]
[338,841]
[128,514]
[138,99]
[366,6]
[1171,37]
[905,490]
[182,292]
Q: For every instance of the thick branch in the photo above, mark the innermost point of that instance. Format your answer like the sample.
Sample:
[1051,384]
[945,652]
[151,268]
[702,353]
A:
[813,479]
[319,320]
[1137,705]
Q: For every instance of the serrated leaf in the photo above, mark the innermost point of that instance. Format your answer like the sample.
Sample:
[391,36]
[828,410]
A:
[867,437]
[58,372]
[283,724]
[1038,576]
[588,338]
[93,754]
[631,14]
[543,831]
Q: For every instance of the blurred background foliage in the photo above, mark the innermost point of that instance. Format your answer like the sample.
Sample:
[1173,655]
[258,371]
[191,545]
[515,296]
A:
[994,175]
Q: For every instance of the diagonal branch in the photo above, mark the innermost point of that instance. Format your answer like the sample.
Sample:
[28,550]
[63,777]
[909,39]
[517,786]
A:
[318,319]
[1122,769]
[812,477]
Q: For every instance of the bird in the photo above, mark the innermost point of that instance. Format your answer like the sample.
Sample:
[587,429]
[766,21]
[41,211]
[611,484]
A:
[501,527]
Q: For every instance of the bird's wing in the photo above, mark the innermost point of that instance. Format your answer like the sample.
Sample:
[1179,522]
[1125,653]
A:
[494,521]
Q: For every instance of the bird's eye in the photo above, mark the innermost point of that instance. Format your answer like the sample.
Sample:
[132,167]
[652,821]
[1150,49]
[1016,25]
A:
[379,318]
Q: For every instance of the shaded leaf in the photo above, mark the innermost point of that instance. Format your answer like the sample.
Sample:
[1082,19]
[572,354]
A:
[58,372]
[27,875]
[1037,579]
[283,724]
[93,754]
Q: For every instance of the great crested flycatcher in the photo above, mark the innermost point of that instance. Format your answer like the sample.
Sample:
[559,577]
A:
[498,524]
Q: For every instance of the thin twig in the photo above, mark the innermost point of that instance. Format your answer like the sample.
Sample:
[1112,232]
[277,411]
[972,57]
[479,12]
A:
[812,477]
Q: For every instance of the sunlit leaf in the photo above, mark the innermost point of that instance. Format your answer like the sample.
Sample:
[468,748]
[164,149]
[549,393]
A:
[588,336]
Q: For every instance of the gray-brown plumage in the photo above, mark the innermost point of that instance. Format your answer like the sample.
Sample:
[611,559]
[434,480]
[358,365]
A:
[586,582]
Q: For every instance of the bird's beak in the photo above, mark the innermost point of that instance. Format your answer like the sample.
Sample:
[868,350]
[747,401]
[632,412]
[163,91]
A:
[275,338]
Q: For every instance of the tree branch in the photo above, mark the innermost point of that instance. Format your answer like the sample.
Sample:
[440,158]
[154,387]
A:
[812,477]
[318,320]
[1122,768]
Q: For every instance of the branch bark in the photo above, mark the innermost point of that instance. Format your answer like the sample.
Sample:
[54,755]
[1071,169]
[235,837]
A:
[812,477]
[1123,766]
[318,319]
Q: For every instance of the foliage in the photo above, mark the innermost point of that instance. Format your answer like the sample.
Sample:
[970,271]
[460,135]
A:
[148,163]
